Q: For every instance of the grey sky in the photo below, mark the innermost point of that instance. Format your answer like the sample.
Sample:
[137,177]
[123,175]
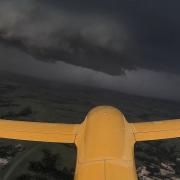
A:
[140,82]
[129,45]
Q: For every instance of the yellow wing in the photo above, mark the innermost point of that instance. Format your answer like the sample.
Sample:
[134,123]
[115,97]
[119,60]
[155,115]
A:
[36,131]
[156,130]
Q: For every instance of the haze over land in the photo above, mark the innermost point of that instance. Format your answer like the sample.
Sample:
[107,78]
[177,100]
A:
[55,101]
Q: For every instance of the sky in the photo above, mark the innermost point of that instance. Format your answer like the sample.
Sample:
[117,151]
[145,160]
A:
[129,45]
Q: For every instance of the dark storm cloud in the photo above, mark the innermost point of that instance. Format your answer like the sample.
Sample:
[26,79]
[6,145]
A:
[140,82]
[108,36]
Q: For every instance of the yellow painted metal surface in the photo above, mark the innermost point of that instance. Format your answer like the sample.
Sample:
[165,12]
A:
[105,141]
[35,131]
[156,130]
[105,146]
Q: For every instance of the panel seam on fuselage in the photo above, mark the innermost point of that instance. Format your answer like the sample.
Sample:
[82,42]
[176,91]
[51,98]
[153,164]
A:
[105,169]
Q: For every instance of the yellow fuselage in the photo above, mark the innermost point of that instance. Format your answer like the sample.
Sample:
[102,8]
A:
[105,147]
[105,141]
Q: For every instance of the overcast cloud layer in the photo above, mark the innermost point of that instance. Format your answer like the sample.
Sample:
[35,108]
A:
[139,82]
[108,36]
[128,45]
